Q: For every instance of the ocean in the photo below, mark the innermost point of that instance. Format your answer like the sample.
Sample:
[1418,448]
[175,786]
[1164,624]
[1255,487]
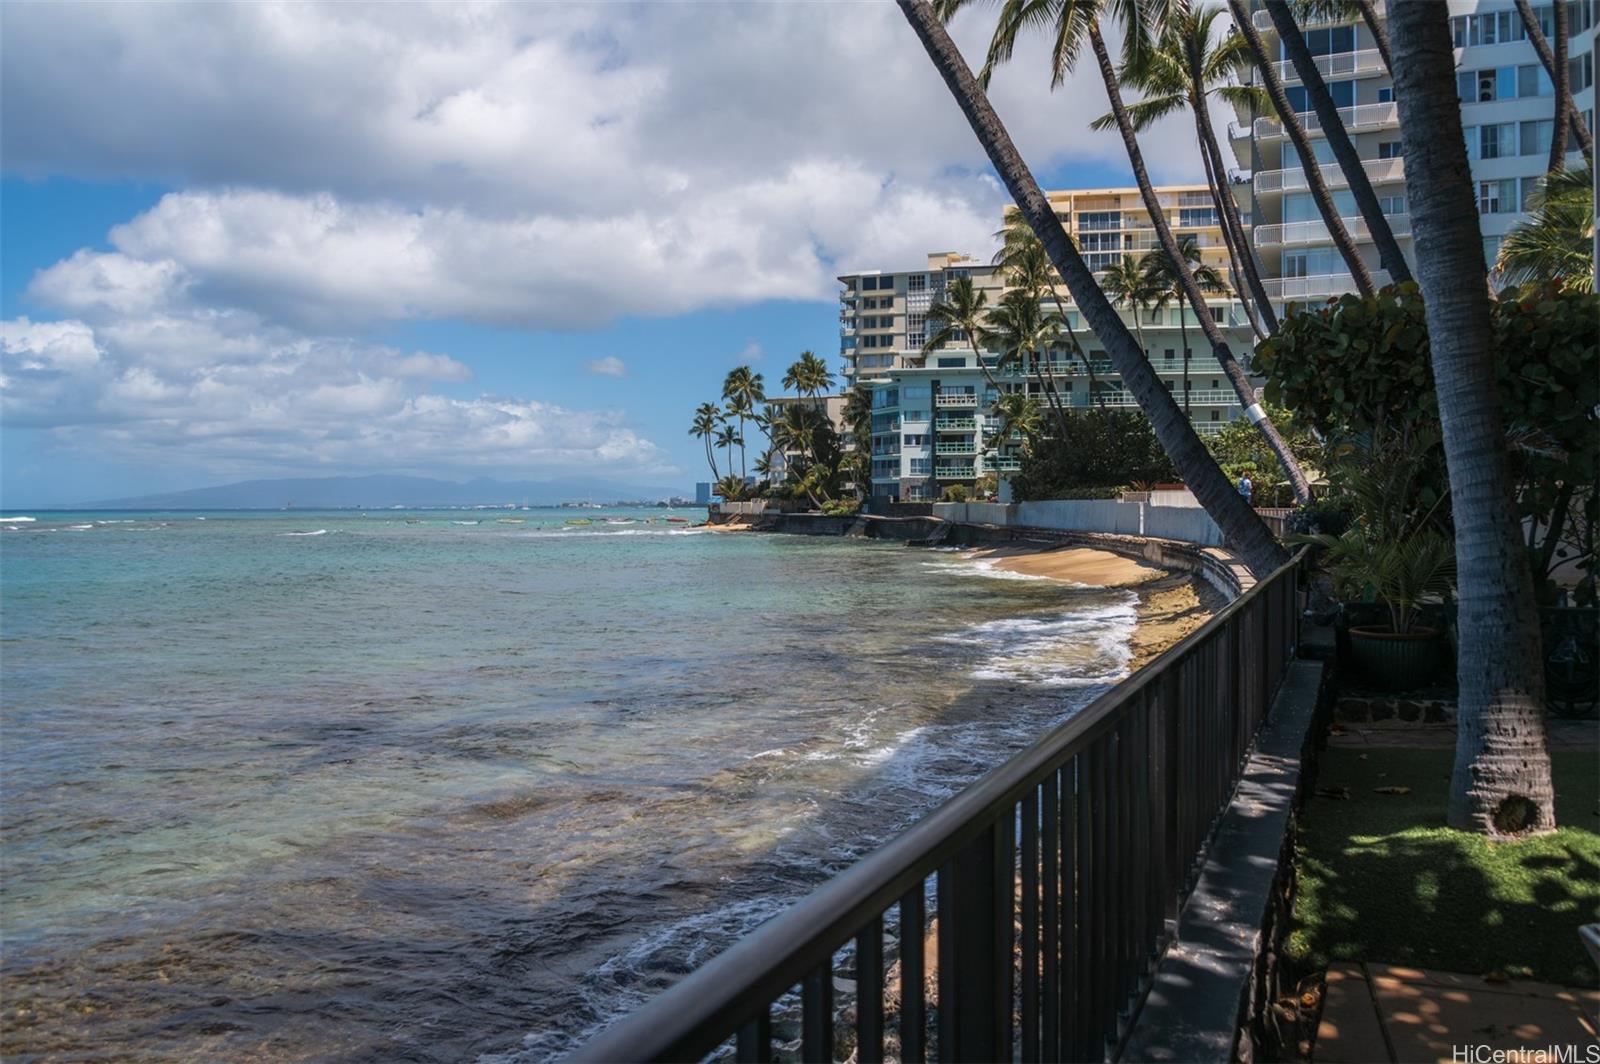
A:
[455,785]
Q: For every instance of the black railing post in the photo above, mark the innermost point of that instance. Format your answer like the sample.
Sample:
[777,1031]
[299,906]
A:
[970,991]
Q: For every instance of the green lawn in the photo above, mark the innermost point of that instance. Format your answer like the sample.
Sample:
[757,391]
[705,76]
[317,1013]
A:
[1382,879]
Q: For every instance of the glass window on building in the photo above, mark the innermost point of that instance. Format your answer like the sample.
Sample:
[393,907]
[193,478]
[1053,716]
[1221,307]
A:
[914,439]
[1312,262]
[1386,94]
[1497,141]
[1320,149]
[1497,197]
[952,363]
[1580,72]
[1392,204]
[1389,149]
[1327,41]
[1343,93]
[917,282]
[1089,221]
[1536,136]
[1197,216]
[920,467]
[1300,207]
[1533,81]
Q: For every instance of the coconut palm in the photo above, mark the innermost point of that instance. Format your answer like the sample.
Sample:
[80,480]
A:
[1316,184]
[1017,413]
[1164,279]
[1130,284]
[1501,780]
[1187,66]
[1554,244]
[1024,261]
[809,376]
[1579,128]
[1305,65]
[1070,23]
[957,315]
[742,389]
[1241,527]
[1020,328]
[706,419]
[727,438]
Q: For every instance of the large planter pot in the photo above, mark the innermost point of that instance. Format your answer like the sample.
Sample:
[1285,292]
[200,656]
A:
[1395,662]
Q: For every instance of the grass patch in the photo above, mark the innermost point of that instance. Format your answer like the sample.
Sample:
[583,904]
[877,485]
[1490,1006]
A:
[1382,879]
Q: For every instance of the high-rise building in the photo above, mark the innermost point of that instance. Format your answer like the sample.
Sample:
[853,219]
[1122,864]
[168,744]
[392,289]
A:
[933,417]
[1507,107]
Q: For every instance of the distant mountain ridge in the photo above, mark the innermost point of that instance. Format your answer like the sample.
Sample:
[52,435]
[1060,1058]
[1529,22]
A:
[377,491]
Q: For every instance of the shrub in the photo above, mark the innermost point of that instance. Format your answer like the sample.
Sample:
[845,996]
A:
[956,493]
[1095,449]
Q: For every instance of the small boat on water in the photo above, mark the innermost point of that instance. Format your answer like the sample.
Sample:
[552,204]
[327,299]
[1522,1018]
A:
[508,520]
[580,521]
[677,520]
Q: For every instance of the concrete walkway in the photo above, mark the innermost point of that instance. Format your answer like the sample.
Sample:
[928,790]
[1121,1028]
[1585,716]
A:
[1379,1012]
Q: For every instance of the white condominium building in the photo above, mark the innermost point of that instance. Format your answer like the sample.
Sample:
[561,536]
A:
[933,420]
[1507,108]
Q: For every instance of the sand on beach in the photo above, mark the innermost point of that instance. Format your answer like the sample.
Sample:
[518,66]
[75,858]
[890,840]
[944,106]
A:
[1171,604]
[1079,565]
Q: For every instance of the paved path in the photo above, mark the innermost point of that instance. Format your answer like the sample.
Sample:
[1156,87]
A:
[1563,735]
[1380,1012]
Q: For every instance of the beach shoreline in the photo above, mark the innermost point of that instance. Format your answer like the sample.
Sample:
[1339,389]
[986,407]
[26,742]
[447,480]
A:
[1171,603]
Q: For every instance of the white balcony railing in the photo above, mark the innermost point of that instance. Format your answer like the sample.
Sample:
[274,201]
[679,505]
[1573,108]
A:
[1317,232]
[1363,116]
[956,399]
[1263,21]
[1379,171]
[1337,65]
[1316,287]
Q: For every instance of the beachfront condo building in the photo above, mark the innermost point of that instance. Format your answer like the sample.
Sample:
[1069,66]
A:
[1507,106]
[933,419]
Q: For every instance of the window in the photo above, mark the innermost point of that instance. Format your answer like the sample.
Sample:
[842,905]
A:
[1483,86]
[920,467]
[1497,197]
[1533,81]
[1386,94]
[1195,216]
[913,392]
[1535,138]
[952,363]
[914,439]
[1491,249]
[916,322]
[1343,93]
[1580,72]
[1392,204]
[1389,149]
[917,282]
[1089,221]
[1216,415]
[1327,41]
[1497,140]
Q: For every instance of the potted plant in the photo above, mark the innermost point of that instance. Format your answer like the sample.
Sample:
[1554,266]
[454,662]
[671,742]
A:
[1400,574]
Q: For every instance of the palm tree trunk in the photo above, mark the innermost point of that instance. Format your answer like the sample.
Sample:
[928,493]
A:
[1339,140]
[1501,782]
[1232,245]
[1380,36]
[1563,99]
[1308,158]
[1241,528]
[744,473]
[1219,346]
[1580,128]
[1088,366]
[712,461]
[1228,208]
[1183,333]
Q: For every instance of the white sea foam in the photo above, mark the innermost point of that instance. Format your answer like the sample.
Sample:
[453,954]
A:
[78,528]
[17,520]
[318,532]
[1077,648]
[466,522]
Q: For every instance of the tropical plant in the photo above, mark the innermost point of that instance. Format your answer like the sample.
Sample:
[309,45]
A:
[1242,529]
[958,315]
[1027,265]
[1070,23]
[1501,781]
[808,376]
[706,419]
[732,487]
[955,493]
[1556,242]
[1188,65]
[1317,185]
[1401,574]
[1131,284]
[1165,279]
[1344,150]
[742,390]
[1021,330]
[1238,449]
[1557,69]
[1017,414]
[1101,448]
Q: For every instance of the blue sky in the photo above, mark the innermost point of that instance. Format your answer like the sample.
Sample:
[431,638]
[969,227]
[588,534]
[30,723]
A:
[288,241]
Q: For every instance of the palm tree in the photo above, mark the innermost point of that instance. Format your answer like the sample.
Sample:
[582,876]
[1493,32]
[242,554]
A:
[1130,284]
[728,438]
[1070,22]
[1339,140]
[1241,527]
[1580,128]
[1556,241]
[1501,781]
[742,389]
[1020,328]
[956,315]
[706,419]
[809,376]
[1318,187]
[1020,414]
[1184,70]
[1164,279]
[1339,10]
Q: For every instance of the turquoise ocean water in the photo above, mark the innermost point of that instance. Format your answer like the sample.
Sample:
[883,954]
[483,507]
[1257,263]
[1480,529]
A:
[446,785]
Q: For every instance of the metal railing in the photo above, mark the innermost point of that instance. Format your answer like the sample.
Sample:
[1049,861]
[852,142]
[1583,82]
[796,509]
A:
[1316,232]
[1358,117]
[1317,286]
[956,399]
[1053,884]
[1336,65]
[1294,178]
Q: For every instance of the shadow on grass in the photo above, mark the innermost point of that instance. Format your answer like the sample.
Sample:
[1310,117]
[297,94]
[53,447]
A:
[1383,879]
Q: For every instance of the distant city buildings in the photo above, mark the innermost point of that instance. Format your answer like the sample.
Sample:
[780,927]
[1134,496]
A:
[702,492]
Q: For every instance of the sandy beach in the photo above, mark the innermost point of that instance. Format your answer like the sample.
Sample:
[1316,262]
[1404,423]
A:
[1171,604]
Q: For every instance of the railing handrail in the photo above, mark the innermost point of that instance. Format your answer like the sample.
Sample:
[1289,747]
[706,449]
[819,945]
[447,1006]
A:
[692,1017]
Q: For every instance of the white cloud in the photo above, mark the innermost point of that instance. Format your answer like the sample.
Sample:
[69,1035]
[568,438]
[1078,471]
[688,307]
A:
[609,366]
[750,352]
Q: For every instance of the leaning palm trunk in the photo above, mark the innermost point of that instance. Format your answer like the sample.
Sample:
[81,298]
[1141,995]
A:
[1580,128]
[1369,15]
[1228,209]
[1339,140]
[1318,187]
[1237,247]
[1219,346]
[1241,527]
[1501,782]
[1559,81]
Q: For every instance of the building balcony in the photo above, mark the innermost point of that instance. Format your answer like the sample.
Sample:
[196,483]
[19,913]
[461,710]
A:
[1209,428]
[1361,117]
[1263,21]
[1338,65]
[847,297]
[955,472]
[1316,287]
[956,399]
[1197,397]
[1317,232]
[1005,464]
[955,424]
[966,447]
[1379,171]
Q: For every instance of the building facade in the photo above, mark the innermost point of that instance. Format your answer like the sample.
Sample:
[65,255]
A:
[933,419]
[1507,106]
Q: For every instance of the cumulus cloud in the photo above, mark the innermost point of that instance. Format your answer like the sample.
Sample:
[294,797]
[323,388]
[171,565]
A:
[609,366]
